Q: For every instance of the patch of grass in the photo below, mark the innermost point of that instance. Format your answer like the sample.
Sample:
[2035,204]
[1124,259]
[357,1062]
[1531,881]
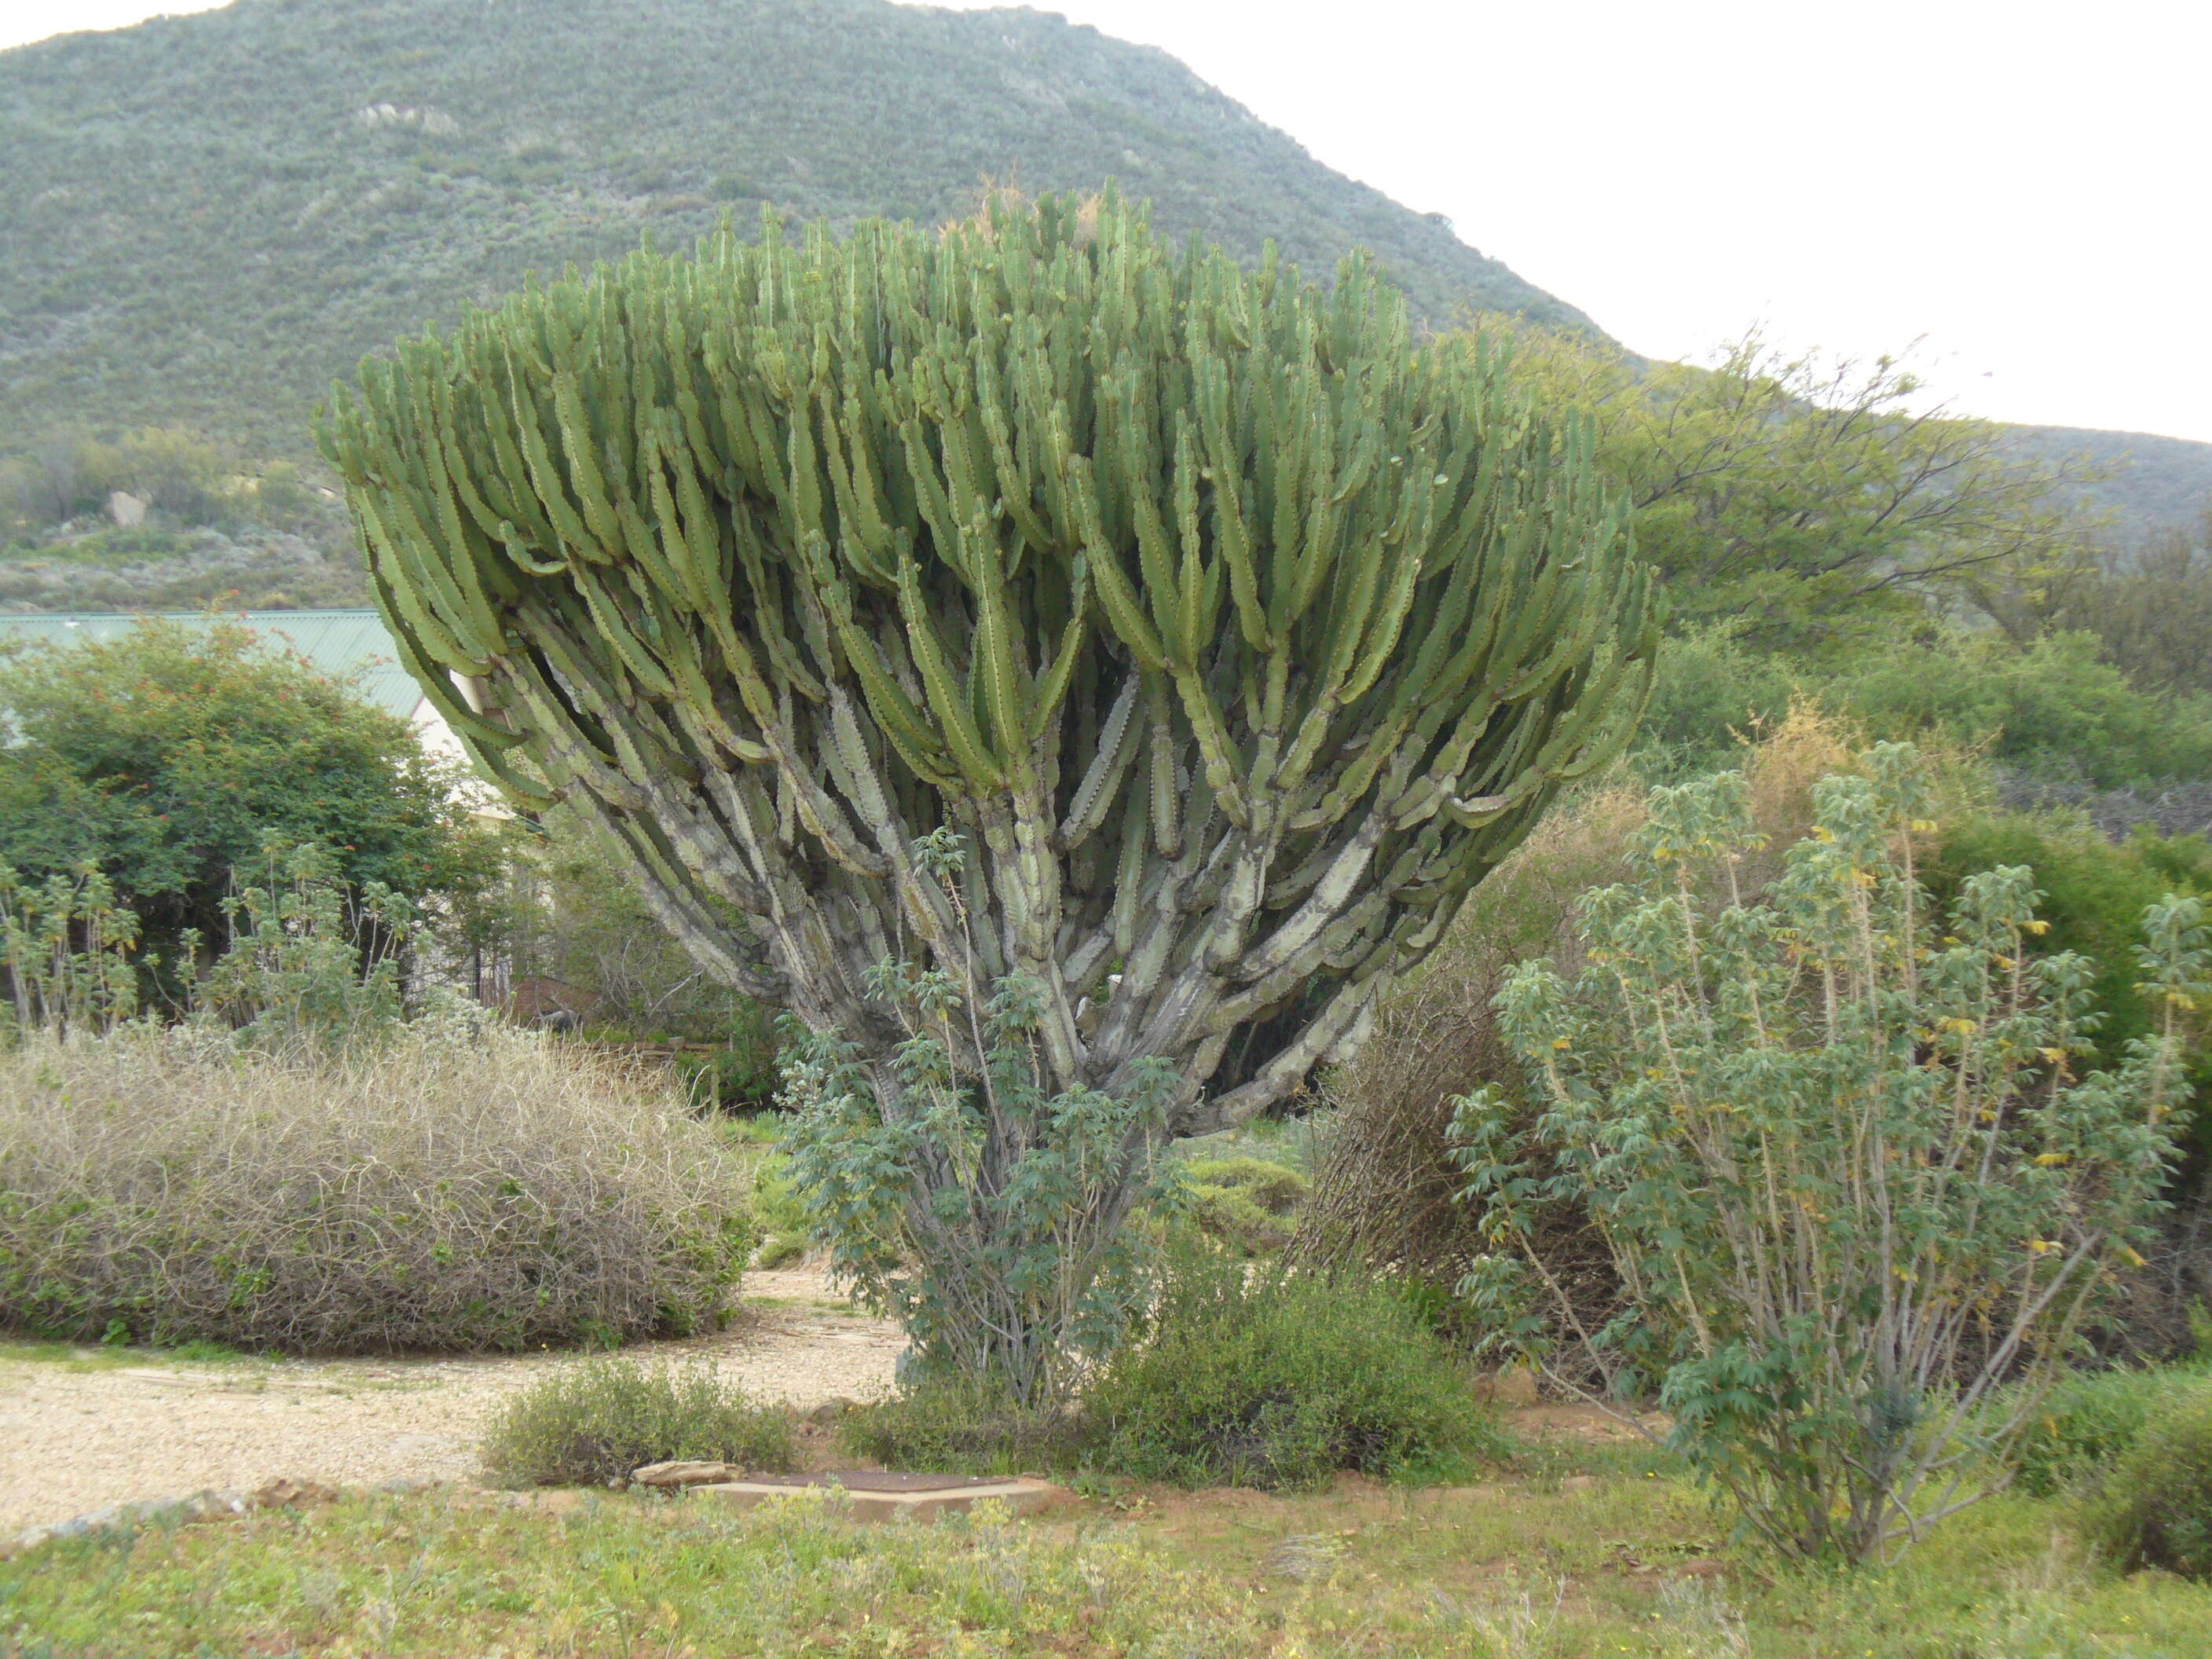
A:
[2154,1509]
[594,1422]
[1497,1573]
[70,1356]
[776,1209]
[754,1128]
[939,1425]
[80,1357]
[2092,1418]
[1292,1142]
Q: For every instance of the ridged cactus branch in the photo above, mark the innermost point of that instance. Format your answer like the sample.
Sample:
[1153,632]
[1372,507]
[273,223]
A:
[1238,635]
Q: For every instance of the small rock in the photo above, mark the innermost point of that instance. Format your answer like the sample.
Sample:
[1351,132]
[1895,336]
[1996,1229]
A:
[681,1474]
[211,1506]
[189,1508]
[286,1493]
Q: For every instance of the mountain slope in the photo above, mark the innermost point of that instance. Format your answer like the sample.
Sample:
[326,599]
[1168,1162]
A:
[2156,481]
[208,217]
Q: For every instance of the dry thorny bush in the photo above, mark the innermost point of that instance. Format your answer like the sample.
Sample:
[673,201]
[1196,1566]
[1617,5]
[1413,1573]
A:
[444,1189]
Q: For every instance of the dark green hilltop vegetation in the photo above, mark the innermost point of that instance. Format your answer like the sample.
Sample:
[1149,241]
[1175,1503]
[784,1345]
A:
[209,217]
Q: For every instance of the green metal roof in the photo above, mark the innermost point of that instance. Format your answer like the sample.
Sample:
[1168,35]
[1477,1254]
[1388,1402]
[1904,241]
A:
[343,644]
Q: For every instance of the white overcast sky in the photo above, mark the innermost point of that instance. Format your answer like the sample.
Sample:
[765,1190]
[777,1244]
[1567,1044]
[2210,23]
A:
[2023,184]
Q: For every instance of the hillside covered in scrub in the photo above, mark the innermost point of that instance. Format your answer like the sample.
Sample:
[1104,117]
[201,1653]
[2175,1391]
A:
[209,217]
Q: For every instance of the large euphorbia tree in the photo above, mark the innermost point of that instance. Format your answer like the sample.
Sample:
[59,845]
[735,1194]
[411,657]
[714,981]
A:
[1235,635]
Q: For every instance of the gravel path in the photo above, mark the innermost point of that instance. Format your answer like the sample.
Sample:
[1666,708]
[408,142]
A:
[78,1438]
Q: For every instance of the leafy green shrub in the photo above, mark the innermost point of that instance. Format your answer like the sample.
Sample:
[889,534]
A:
[171,755]
[969,1201]
[2053,709]
[2155,1510]
[293,976]
[1247,1201]
[941,1423]
[1278,1380]
[1385,1187]
[2094,894]
[2090,1420]
[594,1422]
[1840,1157]
[1711,690]
[447,1188]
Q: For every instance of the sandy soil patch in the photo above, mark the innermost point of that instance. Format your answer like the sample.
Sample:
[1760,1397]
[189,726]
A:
[74,1440]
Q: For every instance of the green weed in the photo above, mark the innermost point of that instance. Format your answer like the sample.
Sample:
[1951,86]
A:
[595,1422]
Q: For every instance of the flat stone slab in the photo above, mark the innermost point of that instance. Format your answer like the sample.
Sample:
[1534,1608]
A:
[878,1495]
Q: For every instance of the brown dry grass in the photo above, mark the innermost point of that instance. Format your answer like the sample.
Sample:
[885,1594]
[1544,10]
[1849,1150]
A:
[441,1191]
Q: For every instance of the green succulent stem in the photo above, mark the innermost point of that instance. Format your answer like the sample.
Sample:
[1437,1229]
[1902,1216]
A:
[1240,633]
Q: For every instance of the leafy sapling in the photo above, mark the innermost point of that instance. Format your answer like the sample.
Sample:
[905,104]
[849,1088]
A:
[957,1192]
[1861,1202]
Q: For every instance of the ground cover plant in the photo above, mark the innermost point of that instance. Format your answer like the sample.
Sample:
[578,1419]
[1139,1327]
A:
[1279,1380]
[588,1425]
[448,1189]
[1624,1561]
[1860,1203]
[1228,637]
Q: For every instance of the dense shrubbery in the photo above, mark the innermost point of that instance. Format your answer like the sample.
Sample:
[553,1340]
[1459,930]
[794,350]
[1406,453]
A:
[1248,1202]
[1805,500]
[169,757]
[442,1189]
[2154,1507]
[594,1422]
[564,916]
[1849,1175]
[938,1422]
[1243,1375]
[1385,1193]
[2091,1421]
[2053,709]
[2148,605]
[1278,1379]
